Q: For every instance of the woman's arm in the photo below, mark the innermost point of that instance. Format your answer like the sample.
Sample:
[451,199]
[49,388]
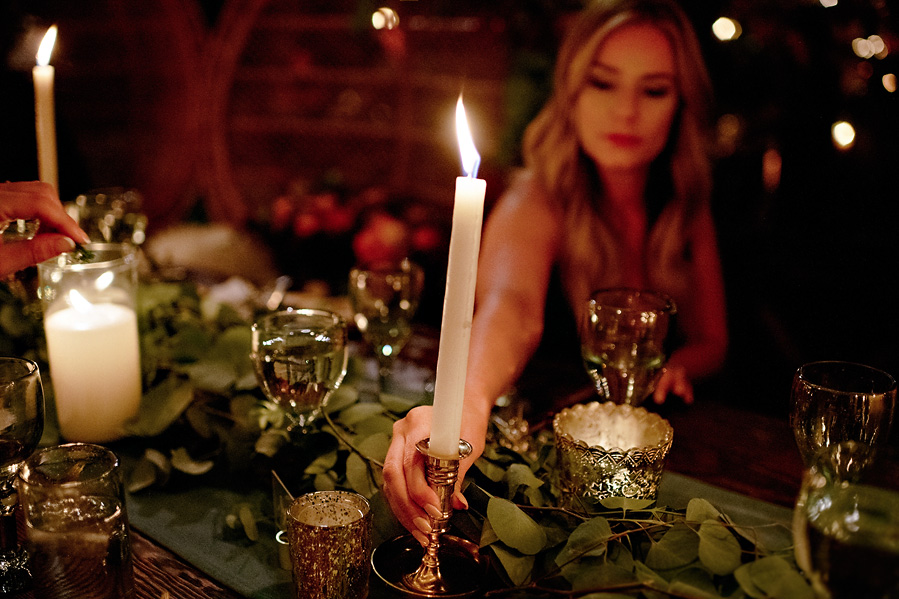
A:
[517,252]
[703,323]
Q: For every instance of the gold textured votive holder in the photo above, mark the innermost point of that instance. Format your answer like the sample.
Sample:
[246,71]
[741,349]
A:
[329,534]
[608,450]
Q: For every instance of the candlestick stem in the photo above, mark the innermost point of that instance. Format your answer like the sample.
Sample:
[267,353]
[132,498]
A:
[441,473]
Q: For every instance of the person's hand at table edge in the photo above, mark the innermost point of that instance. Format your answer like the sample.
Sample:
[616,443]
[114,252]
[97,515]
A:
[58,232]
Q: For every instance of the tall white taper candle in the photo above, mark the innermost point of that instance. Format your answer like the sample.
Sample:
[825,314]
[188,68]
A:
[458,304]
[45,112]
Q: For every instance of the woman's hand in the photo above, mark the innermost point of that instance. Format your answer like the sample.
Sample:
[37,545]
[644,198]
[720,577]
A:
[58,232]
[405,486]
[673,380]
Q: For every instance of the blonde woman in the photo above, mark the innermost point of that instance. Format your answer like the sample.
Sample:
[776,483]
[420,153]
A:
[615,192]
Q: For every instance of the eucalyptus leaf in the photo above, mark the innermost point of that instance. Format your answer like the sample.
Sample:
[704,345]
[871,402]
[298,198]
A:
[774,577]
[719,550]
[694,582]
[161,406]
[343,397]
[520,475]
[490,470]
[360,412]
[182,461]
[488,535]
[271,441]
[587,540]
[213,376]
[142,476]
[648,576]
[677,548]
[376,425]
[248,520]
[592,574]
[359,477]
[700,510]
[325,482]
[517,567]
[322,463]
[398,404]
[628,504]
[515,528]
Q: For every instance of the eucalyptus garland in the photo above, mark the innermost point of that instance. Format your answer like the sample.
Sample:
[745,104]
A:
[204,416]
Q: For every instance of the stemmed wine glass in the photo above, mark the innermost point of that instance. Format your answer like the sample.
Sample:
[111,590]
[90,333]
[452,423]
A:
[384,300]
[834,401]
[622,342]
[21,427]
[846,521]
[300,358]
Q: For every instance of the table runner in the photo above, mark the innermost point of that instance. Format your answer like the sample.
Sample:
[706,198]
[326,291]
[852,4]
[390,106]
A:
[190,523]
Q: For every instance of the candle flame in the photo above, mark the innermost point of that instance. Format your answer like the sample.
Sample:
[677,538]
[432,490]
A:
[78,301]
[46,47]
[470,157]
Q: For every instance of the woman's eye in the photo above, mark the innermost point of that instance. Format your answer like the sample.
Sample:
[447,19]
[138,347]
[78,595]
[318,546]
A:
[657,92]
[600,83]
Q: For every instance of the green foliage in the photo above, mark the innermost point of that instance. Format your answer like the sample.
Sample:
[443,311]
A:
[204,420]
[626,548]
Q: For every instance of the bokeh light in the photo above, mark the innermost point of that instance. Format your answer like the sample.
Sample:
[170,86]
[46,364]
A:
[889,82]
[726,29]
[385,18]
[843,135]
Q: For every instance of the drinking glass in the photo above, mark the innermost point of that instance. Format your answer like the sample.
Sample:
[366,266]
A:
[21,427]
[846,522]
[300,358]
[622,343]
[384,300]
[836,401]
[76,522]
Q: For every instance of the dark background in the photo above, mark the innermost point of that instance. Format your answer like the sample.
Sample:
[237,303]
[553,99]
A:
[215,109]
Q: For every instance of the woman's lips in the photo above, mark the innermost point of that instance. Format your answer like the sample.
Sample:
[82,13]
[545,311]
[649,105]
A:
[624,140]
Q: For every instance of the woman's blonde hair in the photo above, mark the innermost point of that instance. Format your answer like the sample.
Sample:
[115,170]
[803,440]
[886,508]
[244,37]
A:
[680,177]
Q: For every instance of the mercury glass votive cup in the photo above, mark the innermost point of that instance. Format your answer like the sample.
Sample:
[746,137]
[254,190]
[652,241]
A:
[609,450]
[90,322]
[329,534]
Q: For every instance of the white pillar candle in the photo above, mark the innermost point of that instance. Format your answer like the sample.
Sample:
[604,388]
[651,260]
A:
[44,111]
[458,303]
[94,357]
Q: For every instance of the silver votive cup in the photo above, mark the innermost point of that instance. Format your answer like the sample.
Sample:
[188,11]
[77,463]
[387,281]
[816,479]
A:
[608,450]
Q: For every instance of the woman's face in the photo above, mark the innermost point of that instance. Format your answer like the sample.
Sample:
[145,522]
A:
[624,112]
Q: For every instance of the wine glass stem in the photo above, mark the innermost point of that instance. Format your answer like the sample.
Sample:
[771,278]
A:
[9,538]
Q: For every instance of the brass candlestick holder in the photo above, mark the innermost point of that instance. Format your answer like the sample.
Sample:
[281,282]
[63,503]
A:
[450,567]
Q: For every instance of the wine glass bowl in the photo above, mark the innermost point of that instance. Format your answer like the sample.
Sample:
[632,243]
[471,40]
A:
[300,358]
[21,427]
[834,401]
[385,299]
[623,342]
[846,521]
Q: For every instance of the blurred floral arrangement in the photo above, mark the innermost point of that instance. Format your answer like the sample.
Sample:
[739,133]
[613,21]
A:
[318,232]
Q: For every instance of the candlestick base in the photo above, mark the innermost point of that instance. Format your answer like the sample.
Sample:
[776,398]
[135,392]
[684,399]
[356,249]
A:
[449,566]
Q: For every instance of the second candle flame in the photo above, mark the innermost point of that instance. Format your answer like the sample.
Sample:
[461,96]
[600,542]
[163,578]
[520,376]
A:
[470,157]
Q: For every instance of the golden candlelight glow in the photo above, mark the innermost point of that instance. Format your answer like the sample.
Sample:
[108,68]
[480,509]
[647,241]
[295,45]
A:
[46,47]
